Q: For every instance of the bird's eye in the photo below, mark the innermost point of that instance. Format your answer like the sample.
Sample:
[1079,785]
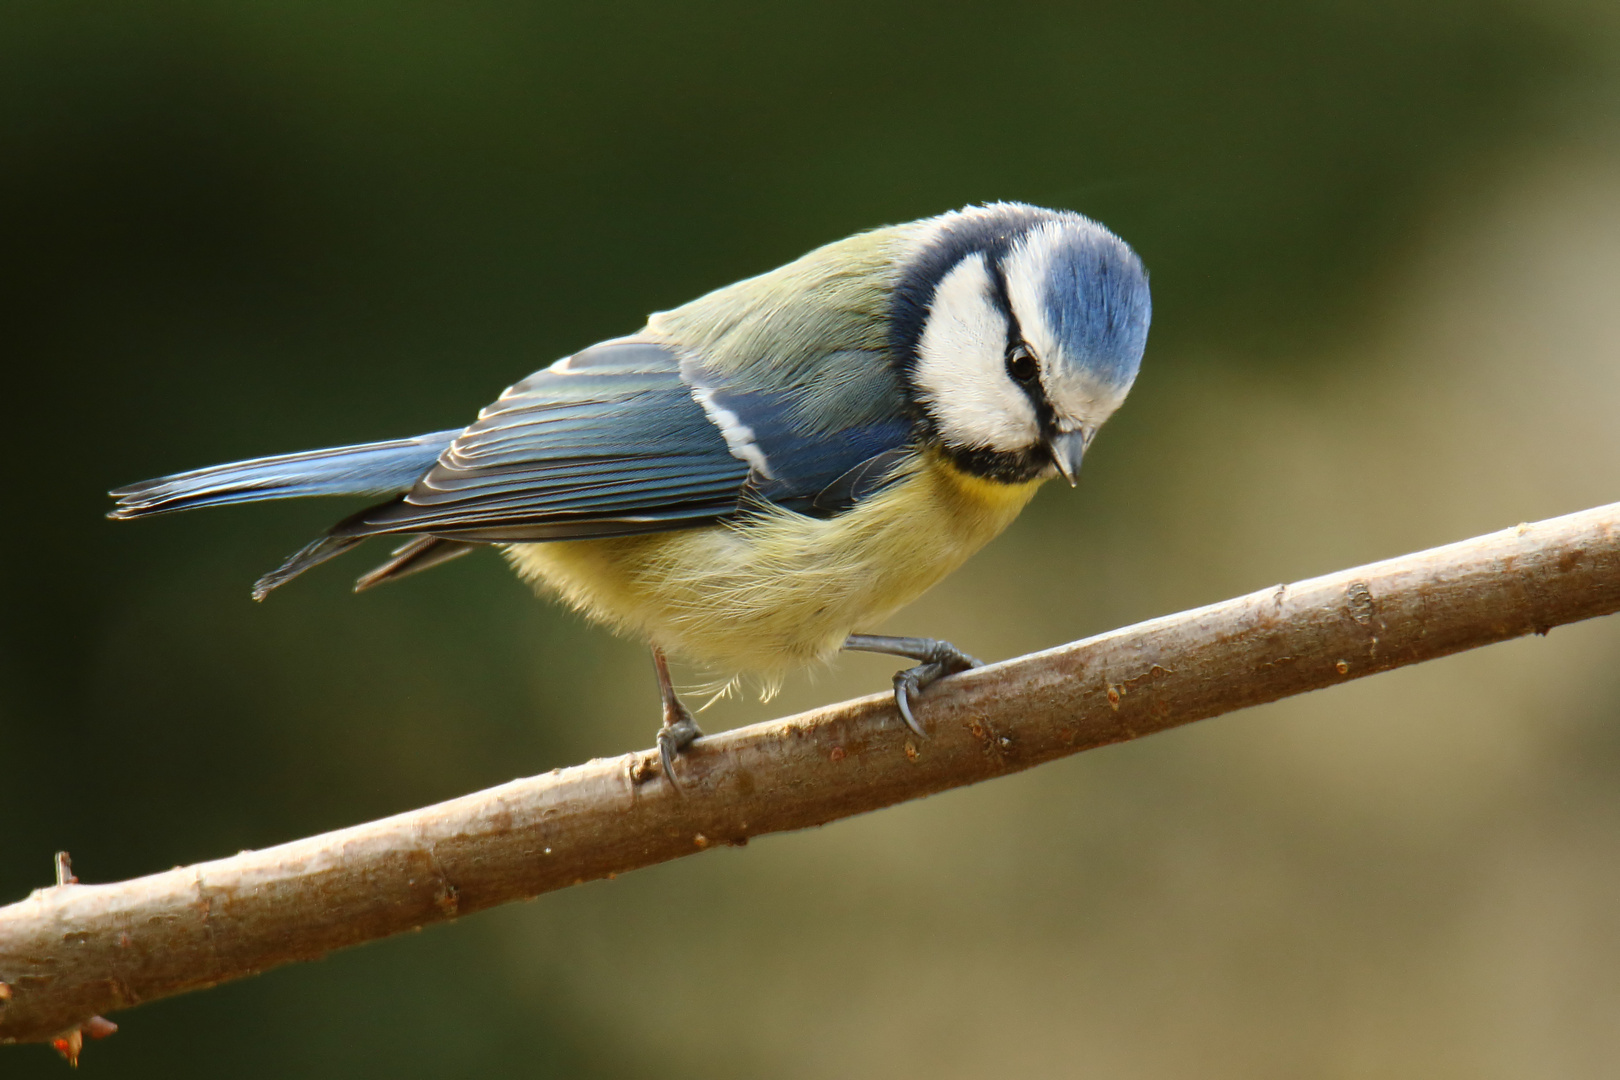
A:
[1021,366]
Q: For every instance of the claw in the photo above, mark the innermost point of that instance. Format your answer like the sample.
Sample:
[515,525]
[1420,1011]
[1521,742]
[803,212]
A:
[666,756]
[905,687]
[676,735]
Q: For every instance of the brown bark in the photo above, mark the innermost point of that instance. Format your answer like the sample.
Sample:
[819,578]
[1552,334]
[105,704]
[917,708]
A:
[72,951]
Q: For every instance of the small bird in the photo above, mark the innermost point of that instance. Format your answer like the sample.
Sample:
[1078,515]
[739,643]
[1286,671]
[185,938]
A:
[753,478]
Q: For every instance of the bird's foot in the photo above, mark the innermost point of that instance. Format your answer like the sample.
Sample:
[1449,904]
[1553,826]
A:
[939,659]
[679,732]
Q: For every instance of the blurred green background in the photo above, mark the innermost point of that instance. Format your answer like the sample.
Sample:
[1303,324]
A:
[1385,246]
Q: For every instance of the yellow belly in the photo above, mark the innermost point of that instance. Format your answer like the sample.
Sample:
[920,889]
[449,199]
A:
[777,590]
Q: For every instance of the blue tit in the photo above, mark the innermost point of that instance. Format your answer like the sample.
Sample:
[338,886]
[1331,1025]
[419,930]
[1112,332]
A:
[752,479]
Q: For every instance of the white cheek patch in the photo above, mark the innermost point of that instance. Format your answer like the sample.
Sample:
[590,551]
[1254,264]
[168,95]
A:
[961,371]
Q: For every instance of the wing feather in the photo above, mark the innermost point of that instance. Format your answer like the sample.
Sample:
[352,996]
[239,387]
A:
[614,441]
[610,435]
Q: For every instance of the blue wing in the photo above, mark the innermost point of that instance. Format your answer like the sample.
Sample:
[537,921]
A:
[623,438]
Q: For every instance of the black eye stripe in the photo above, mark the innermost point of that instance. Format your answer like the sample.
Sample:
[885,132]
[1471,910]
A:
[1033,389]
[1003,300]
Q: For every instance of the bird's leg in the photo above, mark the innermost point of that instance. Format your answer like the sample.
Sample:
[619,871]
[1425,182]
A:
[679,730]
[939,659]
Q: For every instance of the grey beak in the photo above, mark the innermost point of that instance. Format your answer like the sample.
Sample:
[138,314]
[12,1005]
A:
[1067,450]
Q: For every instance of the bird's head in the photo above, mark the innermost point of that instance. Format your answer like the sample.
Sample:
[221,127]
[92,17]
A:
[1020,331]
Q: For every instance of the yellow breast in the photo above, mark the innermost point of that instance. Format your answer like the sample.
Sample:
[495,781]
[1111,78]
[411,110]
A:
[776,590]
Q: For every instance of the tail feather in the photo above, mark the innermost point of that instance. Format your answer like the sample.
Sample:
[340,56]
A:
[310,555]
[380,468]
[421,553]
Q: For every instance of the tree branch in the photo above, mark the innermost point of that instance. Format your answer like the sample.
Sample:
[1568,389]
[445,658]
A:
[72,951]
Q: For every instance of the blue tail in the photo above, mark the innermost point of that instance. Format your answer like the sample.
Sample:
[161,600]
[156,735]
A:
[380,468]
